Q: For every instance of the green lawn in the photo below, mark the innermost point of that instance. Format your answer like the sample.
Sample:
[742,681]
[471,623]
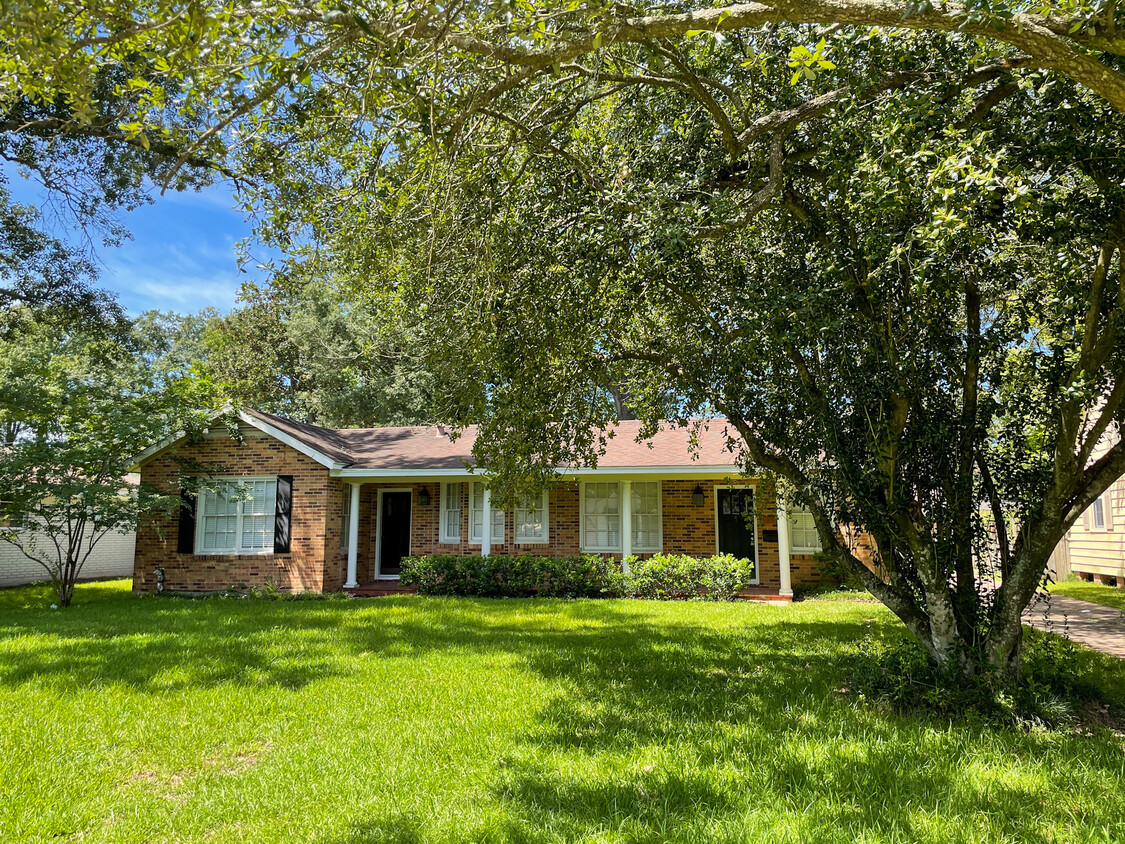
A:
[1109,596]
[446,720]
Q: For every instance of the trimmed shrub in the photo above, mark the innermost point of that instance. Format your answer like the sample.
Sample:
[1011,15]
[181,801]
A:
[663,577]
[513,576]
[680,577]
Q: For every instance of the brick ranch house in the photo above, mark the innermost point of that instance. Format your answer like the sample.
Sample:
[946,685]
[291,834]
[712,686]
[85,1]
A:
[329,509]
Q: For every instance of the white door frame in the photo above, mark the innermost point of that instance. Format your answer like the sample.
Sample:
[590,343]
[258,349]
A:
[753,489]
[379,530]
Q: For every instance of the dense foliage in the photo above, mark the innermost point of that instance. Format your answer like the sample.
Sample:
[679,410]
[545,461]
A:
[661,576]
[75,409]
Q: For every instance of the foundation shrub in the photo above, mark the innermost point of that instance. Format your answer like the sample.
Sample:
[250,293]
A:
[513,576]
[661,577]
[671,577]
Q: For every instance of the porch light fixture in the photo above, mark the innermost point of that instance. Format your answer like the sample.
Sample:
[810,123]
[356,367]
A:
[424,497]
[697,496]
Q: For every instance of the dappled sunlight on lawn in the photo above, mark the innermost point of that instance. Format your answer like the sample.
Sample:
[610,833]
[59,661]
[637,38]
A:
[440,719]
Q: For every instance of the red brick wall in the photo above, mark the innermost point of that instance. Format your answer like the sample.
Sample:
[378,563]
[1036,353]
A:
[425,522]
[313,526]
[688,528]
[317,563]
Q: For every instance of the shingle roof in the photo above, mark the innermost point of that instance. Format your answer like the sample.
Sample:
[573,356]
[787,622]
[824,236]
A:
[430,447]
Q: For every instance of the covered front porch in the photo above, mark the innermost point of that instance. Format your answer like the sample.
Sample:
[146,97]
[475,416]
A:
[619,516]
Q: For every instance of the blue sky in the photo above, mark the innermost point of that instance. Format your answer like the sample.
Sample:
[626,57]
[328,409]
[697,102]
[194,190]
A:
[182,256]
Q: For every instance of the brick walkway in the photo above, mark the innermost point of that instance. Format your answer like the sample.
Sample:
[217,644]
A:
[1101,628]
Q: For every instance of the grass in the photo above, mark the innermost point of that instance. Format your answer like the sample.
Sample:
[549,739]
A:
[1107,596]
[451,720]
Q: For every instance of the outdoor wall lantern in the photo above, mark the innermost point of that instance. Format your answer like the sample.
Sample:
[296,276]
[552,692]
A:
[697,496]
[424,497]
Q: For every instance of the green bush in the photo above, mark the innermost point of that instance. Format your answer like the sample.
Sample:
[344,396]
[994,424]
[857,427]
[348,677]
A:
[513,576]
[680,577]
[664,576]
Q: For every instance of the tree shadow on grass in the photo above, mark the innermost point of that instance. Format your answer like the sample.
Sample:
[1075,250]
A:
[677,732]
[161,644]
[661,727]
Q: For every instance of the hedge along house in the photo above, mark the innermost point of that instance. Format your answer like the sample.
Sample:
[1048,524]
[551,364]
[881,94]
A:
[327,509]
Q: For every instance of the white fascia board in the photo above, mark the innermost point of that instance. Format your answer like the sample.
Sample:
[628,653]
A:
[353,472]
[153,450]
[294,443]
[662,471]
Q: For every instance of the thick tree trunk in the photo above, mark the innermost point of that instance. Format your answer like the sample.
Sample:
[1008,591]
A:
[1008,657]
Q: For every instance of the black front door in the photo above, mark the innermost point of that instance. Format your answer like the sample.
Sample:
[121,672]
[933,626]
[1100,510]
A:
[736,523]
[395,530]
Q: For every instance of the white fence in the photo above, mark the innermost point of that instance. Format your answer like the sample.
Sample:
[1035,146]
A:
[112,557]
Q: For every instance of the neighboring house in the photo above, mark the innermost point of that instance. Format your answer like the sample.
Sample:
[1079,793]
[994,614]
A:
[1094,548]
[324,509]
[111,557]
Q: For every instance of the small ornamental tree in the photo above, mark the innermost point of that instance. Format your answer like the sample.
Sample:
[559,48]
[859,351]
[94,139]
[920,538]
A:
[80,408]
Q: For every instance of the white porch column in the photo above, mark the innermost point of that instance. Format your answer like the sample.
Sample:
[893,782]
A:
[783,548]
[486,528]
[626,522]
[353,538]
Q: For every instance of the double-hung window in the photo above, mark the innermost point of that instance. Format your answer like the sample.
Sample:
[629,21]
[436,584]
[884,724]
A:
[237,518]
[602,508]
[601,517]
[803,537]
[476,518]
[450,530]
[644,498]
[532,521]
[1097,514]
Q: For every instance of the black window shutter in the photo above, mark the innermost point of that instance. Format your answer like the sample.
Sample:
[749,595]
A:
[185,536]
[282,514]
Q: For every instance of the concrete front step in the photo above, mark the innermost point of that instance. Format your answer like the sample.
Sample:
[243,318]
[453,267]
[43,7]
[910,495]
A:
[381,588]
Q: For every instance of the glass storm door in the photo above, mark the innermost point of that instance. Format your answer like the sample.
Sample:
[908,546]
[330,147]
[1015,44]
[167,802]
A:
[395,530]
[736,523]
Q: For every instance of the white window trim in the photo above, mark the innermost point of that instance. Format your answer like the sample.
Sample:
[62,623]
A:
[545,506]
[1094,526]
[757,536]
[659,547]
[494,539]
[597,549]
[443,493]
[802,549]
[236,551]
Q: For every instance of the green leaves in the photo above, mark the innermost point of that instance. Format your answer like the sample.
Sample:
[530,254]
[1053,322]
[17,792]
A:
[808,61]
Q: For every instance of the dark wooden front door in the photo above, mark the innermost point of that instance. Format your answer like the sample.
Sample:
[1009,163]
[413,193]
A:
[736,523]
[395,532]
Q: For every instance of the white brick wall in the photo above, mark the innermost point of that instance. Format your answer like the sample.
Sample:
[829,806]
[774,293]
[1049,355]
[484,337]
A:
[112,557]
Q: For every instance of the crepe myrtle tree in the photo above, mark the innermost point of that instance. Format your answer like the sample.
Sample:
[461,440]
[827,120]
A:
[81,406]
